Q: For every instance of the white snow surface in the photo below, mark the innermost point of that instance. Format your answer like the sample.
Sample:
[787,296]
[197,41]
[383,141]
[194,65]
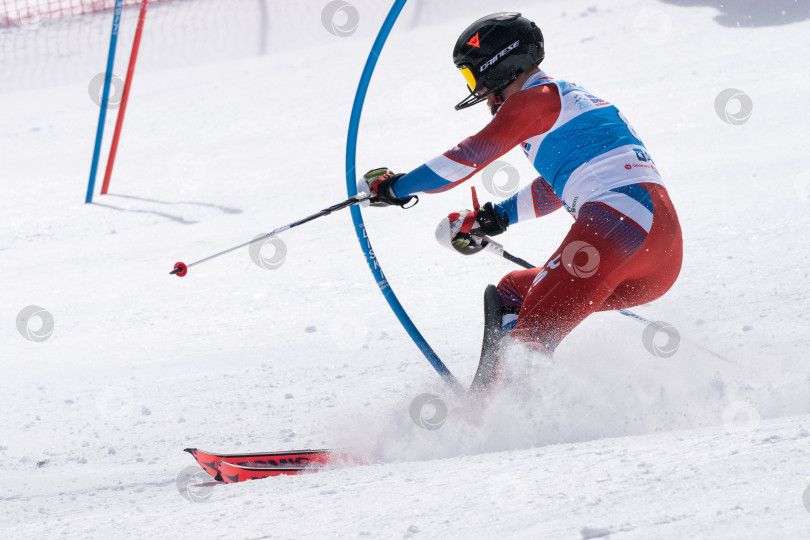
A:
[606,440]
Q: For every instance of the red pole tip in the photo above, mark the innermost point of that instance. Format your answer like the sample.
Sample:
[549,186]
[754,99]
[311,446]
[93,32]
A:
[180,269]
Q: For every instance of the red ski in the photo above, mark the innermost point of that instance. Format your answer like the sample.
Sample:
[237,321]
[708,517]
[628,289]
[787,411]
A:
[294,460]
[230,473]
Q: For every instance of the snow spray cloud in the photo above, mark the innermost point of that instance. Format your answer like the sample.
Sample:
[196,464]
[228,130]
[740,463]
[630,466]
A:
[506,187]
[340,18]
[575,397]
[654,333]
[274,261]
[428,411]
[96,90]
[194,484]
[723,107]
[30,331]
[653,26]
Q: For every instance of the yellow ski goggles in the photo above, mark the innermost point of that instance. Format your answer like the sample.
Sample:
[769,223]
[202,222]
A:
[469,77]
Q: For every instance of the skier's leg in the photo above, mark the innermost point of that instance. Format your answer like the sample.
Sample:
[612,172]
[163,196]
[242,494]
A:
[593,259]
[558,301]
[513,288]
[604,252]
[654,273]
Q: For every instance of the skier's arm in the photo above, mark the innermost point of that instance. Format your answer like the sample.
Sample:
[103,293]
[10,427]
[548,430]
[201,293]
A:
[532,201]
[525,114]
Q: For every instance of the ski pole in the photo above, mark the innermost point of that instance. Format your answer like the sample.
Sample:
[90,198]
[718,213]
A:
[181,269]
[498,250]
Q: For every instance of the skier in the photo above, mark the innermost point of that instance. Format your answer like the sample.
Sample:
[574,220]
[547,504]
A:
[624,248]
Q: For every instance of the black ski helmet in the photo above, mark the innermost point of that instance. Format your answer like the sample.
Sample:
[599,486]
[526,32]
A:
[494,50]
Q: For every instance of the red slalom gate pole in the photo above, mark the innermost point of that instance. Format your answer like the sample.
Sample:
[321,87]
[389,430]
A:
[133,57]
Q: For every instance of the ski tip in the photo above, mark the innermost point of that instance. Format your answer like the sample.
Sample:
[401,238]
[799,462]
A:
[190,450]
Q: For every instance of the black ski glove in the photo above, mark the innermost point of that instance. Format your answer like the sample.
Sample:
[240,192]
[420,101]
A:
[378,182]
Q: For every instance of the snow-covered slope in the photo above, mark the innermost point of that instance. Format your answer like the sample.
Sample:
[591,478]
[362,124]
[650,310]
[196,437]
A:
[608,440]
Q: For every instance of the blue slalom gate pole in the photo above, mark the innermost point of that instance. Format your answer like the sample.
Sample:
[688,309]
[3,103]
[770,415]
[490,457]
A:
[357,217]
[105,97]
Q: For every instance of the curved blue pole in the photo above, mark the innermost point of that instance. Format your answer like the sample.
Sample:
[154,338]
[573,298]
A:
[357,217]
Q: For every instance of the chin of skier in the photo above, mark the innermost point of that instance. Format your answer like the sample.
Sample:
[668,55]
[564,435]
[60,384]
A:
[624,247]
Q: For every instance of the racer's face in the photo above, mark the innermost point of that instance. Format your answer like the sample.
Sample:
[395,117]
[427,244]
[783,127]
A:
[491,103]
[493,108]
